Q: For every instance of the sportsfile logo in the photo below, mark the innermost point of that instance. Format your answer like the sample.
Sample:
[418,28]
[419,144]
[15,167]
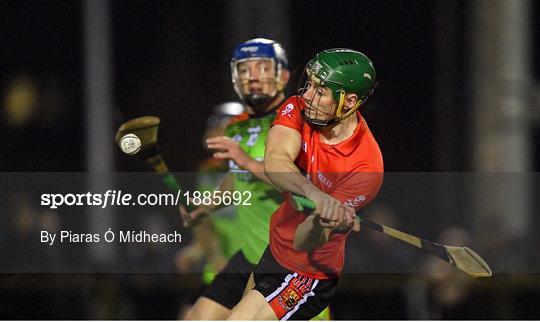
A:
[110,198]
[114,198]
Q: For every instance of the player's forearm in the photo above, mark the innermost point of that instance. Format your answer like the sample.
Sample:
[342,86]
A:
[310,235]
[284,175]
[257,168]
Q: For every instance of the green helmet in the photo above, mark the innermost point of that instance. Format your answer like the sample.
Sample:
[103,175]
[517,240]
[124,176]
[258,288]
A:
[343,71]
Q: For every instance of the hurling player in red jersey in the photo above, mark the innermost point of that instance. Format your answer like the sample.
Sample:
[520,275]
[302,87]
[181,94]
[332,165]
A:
[319,147]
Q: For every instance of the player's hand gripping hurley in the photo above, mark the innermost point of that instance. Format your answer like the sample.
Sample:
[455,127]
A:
[463,258]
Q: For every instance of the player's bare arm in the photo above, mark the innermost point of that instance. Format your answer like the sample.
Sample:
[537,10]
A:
[282,147]
[311,234]
[230,149]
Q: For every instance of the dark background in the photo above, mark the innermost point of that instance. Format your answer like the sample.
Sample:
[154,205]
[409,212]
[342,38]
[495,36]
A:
[171,59]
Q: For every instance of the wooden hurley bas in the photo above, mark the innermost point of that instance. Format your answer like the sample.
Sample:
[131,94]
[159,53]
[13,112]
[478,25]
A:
[464,258]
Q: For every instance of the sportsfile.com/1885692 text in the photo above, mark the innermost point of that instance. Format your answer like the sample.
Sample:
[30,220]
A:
[118,198]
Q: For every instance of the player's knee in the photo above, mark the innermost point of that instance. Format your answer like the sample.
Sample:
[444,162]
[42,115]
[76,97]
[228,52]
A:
[206,309]
[252,307]
[194,313]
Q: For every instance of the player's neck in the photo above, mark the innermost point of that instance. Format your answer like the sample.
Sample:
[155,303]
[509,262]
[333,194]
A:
[341,131]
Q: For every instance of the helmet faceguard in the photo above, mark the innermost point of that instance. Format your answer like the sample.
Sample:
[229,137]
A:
[340,71]
[256,68]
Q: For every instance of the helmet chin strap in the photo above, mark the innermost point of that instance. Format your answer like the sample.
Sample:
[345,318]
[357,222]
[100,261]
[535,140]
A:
[339,112]
[317,124]
[258,102]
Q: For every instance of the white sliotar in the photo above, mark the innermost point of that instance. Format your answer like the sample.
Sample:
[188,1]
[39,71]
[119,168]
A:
[130,144]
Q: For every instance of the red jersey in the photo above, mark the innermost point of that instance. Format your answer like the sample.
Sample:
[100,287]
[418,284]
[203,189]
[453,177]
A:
[350,171]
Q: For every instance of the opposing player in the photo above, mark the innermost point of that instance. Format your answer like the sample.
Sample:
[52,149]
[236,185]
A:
[319,147]
[260,73]
[214,239]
